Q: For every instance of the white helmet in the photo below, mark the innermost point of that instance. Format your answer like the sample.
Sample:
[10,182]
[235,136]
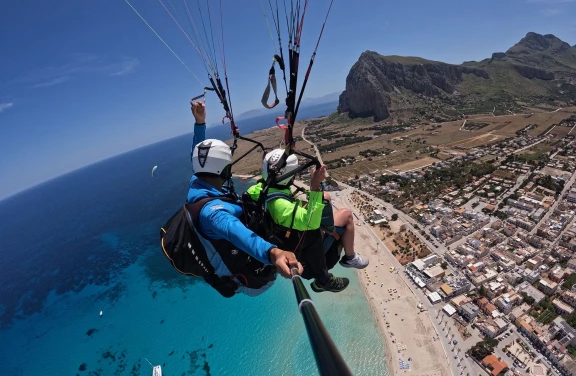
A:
[274,156]
[213,157]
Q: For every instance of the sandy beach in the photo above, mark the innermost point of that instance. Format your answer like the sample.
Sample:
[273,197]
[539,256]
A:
[407,332]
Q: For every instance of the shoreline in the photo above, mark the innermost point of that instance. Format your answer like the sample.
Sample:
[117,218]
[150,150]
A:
[383,334]
[408,337]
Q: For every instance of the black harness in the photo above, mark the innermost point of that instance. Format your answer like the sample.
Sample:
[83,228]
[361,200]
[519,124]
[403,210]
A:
[191,253]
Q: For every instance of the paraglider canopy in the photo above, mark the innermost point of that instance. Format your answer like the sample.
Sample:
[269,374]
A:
[154,170]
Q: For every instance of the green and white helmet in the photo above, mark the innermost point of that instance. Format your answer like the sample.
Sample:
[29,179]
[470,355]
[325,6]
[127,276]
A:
[274,156]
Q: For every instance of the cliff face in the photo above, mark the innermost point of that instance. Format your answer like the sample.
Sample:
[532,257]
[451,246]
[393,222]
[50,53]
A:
[532,72]
[367,91]
[374,78]
[541,61]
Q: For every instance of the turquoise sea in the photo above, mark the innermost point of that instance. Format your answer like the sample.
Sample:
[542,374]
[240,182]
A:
[89,241]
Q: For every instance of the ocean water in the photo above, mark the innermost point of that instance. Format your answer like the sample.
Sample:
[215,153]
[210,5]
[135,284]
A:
[89,242]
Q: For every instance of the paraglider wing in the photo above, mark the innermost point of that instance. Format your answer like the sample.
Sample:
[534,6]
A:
[154,170]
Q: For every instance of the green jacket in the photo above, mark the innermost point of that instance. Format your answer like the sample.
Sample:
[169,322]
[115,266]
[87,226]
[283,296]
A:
[281,210]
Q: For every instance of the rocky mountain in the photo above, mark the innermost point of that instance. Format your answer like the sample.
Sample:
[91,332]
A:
[375,78]
[538,68]
[541,56]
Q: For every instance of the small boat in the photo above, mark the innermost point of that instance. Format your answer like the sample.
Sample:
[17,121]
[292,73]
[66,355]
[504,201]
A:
[100,313]
[156,370]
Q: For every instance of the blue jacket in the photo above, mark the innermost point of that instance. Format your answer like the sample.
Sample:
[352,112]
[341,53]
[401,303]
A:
[220,220]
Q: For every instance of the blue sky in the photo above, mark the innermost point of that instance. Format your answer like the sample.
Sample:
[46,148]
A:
[81,81]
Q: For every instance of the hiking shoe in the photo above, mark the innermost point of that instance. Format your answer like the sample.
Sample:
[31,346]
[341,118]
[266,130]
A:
[357,262]
[335,284]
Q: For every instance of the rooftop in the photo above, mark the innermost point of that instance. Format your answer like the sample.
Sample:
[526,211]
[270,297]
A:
[530,290]
[548,283]
[434,297]
[492,362]
[446,289]
[470,308]
[449,309]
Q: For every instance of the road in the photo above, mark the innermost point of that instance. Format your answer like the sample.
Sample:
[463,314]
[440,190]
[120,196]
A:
[513,114]
[498,351]
[446,330]
[457,368]
[318,155]
[529,146]
[409,221]
[568,226]
[519,181]
[444,326]
[538,355]
[555,205]
[406,219]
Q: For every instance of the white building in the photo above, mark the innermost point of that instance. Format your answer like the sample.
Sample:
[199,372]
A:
[449,309]
[547,286]
[434,297]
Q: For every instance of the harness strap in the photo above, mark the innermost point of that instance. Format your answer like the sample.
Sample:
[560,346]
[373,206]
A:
[289,232]
[219,283]
[195,207]
[276,195]
[271,84]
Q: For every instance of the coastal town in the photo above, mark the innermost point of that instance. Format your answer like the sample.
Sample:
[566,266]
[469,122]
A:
[485,241]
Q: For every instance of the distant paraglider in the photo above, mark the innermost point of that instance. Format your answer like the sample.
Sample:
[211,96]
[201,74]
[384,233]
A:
[154,170]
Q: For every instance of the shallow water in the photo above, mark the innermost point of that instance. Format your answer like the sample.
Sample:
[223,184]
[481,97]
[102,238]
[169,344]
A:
[88,241]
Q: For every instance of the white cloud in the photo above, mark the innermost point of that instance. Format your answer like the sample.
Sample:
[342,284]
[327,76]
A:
[5,106]
[80,65]
[127,66]
[551,12]
[55,81]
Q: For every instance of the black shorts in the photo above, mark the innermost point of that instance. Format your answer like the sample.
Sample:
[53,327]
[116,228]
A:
[332,248]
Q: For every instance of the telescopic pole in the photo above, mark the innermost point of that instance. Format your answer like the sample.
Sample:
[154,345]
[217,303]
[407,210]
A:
[328,358]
